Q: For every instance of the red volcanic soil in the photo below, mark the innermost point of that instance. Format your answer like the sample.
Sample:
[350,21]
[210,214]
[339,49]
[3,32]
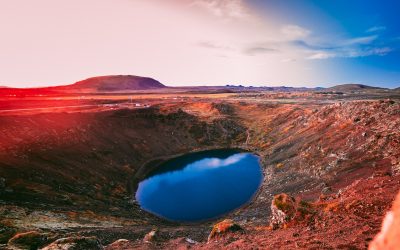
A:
[15,92]
[348,219]
[73,172]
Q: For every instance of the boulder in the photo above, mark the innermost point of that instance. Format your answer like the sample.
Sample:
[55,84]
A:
[150,236]
[222,228]
[287,211]
[283,209]
[75,243]
[190,241]
[27,240]
[389,236]
[120,244]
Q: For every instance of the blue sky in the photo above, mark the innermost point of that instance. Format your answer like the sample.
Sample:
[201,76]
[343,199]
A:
[201,42]
[357,40]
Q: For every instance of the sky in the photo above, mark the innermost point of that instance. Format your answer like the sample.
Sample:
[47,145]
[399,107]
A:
[201,42]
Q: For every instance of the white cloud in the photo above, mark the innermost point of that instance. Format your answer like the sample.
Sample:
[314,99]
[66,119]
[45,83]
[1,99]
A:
[358,40]
[376,29]
[215,162]
[293,32]
[351,53]
[260,49]
[321,55]
[223,8]
[345,48]
[376,51]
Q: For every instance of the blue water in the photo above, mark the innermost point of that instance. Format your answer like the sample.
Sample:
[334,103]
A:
[200,186]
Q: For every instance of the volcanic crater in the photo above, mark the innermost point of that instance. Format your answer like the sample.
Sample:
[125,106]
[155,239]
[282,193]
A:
[73,173]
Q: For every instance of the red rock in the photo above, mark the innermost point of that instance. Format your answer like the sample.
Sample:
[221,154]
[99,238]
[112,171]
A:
[222,228]
[75,243]
[120,244]
[389,237]
[283,210]
[27,240]
[151,236]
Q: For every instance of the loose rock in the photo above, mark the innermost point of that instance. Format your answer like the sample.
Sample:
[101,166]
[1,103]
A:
[223,227]
[27,240]
[283,209]
[151,236]
[75,243]
[119,244]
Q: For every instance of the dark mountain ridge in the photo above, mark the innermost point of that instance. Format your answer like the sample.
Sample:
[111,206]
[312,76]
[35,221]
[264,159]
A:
[116,83]
[102,84]
[352,87]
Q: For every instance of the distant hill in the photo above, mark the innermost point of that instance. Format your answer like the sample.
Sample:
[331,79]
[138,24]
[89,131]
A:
[117,83]
[292,89]
[113,84]
[351,87]
[274,88]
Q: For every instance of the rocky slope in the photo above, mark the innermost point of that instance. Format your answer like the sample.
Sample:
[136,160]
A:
[87,158]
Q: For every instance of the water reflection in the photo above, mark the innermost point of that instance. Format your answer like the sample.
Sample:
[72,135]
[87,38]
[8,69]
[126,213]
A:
[201,185]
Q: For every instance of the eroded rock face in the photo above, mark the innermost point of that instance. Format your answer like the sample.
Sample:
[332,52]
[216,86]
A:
[222,228]
[28,240]
[389,237]
[75,243]
[282,209]
[151,236]
[287,211]
[117,142]
[119,244]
